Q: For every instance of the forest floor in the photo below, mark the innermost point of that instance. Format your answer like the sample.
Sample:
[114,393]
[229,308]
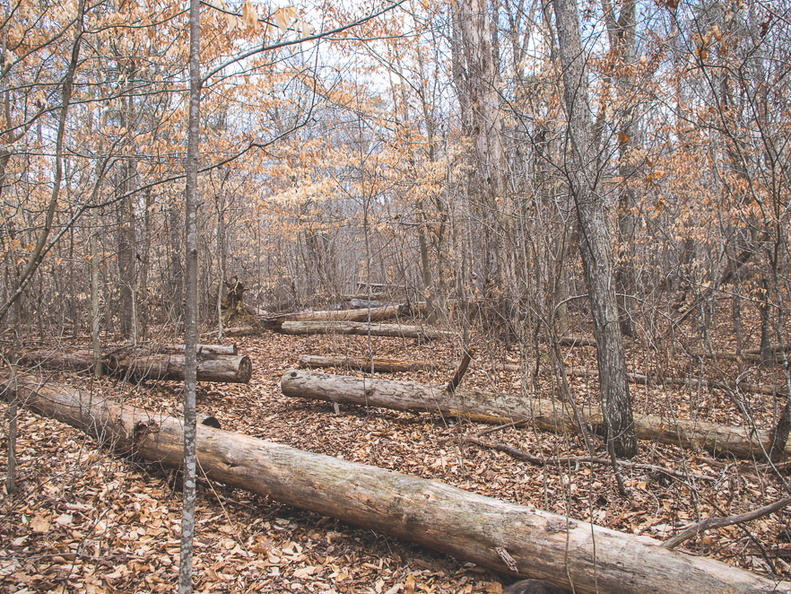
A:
[84,521]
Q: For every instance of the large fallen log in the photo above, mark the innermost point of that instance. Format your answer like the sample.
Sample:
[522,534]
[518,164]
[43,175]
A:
[373,314]
[212,367]
[363,329]
[545,414]
[500,536]
[374,365]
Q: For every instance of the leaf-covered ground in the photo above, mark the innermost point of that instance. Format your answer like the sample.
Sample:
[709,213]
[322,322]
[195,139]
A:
[84,521]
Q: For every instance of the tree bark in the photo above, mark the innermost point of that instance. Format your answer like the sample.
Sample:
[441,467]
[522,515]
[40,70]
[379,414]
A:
[658,380]
[203,350]
[191,243]
[640,378]
[344,315]
[373,365]
[157,366]
[582,173]
[504,537]
[363,329]
[547,415]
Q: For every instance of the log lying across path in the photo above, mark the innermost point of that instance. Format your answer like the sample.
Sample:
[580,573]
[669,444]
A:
[375,365]
[548,415]
[364,329]
[503,537]
[215,363]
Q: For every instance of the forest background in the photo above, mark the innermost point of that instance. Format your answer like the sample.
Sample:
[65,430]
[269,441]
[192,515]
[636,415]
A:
[427,149]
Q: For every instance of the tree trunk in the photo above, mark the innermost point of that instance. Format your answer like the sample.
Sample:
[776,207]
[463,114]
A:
[363,329]
[504,537]
[548,415]
[345,315]
[191,242]
[621,32]
[151,366]
[96,314]
[582,172]
[203,350]
[374,365]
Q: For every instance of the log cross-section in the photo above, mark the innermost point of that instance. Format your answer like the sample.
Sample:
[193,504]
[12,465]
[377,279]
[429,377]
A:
[504,537]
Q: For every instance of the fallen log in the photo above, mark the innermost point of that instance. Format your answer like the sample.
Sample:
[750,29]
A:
[373,314]
[203,350]
[250,330]
[375,365]
[545,414]
[361,314]
[363,329]
[211,367]
[577,340]
[727,355]
[365,303]
[640,378]
[504,537]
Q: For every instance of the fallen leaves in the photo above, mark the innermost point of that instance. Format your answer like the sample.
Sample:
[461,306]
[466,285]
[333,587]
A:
[86,522]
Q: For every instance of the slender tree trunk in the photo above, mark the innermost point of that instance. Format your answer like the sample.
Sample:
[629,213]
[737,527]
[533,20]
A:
[96,316]
[176,298]
[220,257]
[582,171]
[621,32]
[12,413]
[191,306]
[126,258]
[143,302]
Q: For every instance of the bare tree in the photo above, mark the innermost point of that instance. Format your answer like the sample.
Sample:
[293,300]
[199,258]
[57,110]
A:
[191,304]
[583,175]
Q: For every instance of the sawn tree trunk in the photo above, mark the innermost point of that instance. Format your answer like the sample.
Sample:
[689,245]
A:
[363,329]
[374,365]
[159,366]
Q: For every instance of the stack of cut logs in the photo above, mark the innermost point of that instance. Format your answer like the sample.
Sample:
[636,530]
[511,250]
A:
[216,363]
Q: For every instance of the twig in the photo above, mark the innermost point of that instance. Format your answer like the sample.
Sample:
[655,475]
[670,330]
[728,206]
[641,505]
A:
[514,424]
[523,455]
[712,522]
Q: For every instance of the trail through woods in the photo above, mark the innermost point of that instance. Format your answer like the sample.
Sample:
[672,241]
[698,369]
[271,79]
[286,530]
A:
[84,521]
